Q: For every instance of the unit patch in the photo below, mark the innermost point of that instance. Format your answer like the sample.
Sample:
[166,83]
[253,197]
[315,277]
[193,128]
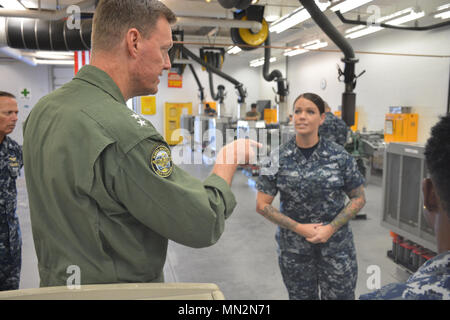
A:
[161,161]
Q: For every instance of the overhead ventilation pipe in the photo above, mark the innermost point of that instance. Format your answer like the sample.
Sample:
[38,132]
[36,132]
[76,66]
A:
[282,85]
[239,86]
[200,88]
[214,59]
[348,97]
[38,34]
[211,69]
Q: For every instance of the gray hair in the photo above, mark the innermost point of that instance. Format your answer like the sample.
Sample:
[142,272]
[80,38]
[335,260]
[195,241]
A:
[113,18]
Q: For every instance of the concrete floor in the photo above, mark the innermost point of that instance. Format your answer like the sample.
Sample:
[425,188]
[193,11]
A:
[243,263]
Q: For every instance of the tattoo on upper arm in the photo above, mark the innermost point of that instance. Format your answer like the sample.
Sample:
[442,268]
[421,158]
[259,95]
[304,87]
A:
[357,192]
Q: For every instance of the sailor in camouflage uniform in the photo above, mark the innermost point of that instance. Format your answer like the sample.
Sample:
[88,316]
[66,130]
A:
[315,243]
[10,165]
[333,128]
[432,280]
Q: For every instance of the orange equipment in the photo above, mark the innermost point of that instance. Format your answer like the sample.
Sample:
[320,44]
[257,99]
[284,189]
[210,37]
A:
[401,127]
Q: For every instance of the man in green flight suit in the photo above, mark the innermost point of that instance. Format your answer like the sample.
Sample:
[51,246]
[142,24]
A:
[104,193]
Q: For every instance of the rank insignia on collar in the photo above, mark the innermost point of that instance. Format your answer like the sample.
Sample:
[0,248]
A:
[140,120]
[161,161]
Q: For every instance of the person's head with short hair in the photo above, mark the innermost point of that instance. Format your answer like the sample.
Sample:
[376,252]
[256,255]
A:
[8,113]
[436,188]
[254,106]
[208,106]
[309,114]
[113,19]
[131,41]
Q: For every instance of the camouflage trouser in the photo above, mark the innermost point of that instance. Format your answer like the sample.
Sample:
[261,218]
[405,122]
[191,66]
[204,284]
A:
[307,272]
[10,259]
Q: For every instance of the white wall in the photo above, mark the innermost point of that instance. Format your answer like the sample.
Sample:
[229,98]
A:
[420,82]
[16,76]
[235,67]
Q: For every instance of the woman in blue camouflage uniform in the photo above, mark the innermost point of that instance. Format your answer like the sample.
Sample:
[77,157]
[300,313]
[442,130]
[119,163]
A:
[313,175]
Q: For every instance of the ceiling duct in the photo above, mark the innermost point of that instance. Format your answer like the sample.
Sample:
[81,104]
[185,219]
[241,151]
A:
[39,34]
[46,35]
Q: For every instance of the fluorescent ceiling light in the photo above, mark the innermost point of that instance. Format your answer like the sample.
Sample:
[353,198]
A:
[314,45]
[54,55]
[260,62]
[348,5]
[397,18]
[11,5]
[443,7]
[54,62]
[443,15]
[293,52]
[295,17]
[395,15]
[410,17]
[363,32]
[355,29]
[233,50]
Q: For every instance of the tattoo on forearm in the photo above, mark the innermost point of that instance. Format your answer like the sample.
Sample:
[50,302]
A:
[357,202]
[278,218]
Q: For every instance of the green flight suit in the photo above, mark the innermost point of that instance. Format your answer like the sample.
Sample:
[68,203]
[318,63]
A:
[104,194]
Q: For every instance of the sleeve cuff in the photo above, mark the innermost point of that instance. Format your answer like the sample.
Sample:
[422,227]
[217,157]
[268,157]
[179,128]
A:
[222,186]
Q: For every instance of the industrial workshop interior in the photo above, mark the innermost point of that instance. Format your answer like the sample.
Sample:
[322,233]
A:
[236,70]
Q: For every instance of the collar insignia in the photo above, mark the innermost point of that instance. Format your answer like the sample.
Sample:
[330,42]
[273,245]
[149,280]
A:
[140,120]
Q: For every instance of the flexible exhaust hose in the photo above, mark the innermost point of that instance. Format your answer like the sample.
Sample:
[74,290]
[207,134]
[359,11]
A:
[275,74]
[208,67]
[348,97]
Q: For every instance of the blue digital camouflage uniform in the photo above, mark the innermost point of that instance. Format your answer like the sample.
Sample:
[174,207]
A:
[430,282]
[10,235]
[334,129]
[314,191]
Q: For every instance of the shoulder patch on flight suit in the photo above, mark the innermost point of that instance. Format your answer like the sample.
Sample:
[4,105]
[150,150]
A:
[161,161]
